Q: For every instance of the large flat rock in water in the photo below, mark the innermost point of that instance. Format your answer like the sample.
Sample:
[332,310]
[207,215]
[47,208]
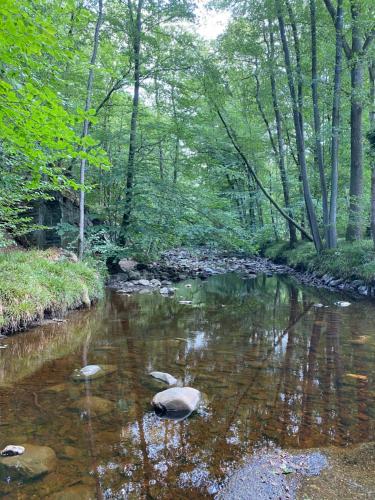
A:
[35,462]
[177,402]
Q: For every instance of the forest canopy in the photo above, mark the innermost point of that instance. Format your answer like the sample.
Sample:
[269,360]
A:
[164,137]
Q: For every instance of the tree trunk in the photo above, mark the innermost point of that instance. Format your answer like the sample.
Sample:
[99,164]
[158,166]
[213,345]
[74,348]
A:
[280,142]
[298,125]
[354,229]
[332,231]
[372,152]
[85,131]
[317,124]
[136,38]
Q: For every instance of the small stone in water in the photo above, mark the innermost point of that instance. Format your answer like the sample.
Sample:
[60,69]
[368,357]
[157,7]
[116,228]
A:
[342,304]
[165,377]
[11,450]
[89,370]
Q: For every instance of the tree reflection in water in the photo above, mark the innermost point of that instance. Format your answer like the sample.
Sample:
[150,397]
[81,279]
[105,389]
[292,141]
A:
[276,370]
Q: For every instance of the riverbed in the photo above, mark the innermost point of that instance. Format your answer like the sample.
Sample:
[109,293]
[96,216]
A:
[282,367]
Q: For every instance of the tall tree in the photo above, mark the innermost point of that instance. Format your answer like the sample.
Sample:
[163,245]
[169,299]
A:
[86,124]
[319,153]
[298,126]
[355,53]
[135,14]
[332,232]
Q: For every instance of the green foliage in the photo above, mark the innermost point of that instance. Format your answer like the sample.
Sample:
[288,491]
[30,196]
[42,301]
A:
[348,261]
[33,282]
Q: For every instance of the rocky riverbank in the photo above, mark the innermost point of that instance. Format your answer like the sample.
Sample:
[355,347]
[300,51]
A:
[181,264]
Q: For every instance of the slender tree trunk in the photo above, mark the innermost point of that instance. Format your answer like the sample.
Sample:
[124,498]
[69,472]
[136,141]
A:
[160,141]
[354,229]
[85,130]
[372,145]
[332,232]
[136,38]
[298,125]
[280,140]
[177,139]
[317,124]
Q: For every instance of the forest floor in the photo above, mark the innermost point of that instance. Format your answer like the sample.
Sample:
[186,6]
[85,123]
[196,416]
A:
[35,285]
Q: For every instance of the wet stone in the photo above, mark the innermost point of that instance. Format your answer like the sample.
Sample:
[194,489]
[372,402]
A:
[35,462]
[177,402]
[165,377]
[92,372]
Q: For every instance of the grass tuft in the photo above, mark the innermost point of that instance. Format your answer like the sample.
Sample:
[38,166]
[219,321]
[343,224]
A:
[32,284]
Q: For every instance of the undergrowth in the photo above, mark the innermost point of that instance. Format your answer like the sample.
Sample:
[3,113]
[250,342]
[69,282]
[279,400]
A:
[351,260]
[32,284]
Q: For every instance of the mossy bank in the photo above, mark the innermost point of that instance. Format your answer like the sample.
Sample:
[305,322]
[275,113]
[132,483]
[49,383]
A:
[38,284]
[350,267]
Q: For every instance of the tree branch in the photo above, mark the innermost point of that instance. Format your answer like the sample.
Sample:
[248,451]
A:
[256,178]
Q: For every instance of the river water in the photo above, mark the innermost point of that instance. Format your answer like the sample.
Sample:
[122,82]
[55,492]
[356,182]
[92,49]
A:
[275,369]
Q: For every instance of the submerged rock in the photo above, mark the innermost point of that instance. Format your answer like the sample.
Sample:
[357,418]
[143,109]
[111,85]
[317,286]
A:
[35,462]
[92,406]
[92,372]
[165,377]
[78,492]
[177,402]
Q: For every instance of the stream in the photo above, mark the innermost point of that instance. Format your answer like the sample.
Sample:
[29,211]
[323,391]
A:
[277,372]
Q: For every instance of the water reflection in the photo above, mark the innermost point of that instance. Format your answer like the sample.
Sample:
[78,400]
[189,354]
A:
[274,369]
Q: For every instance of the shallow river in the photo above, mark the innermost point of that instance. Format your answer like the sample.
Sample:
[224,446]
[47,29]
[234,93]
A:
[275,369]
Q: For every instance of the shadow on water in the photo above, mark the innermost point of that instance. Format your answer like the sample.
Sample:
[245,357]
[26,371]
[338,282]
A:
[275,371]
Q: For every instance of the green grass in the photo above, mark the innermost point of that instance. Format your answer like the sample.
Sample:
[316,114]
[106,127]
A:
[354,260]
[32,283]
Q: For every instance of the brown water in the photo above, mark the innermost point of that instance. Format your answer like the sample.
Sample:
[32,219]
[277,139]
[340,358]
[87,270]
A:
[275,370]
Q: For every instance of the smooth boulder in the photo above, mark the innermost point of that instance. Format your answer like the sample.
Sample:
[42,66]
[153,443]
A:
[36,461]
[177,402]
[92,372]
[165,377]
